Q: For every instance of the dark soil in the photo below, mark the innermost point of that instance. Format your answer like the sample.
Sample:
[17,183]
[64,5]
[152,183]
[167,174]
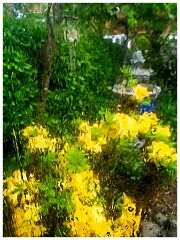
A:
[149,193]
[163,199]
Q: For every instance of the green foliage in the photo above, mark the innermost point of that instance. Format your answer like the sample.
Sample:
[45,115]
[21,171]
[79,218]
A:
[53,197]
[169,172]
[165,72]
[109,117]
[10,165]
[119,203]
[167,111]
[77,161]
[27,32]
[48,159]
[18,95]
[129,160]
[146,101]
[82,89]
[152,16]
[96,133]
[19,87]
[132,83]
[91,16]
[143,42]
[127,76]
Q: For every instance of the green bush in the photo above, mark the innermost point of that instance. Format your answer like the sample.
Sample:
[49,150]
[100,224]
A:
[80,90]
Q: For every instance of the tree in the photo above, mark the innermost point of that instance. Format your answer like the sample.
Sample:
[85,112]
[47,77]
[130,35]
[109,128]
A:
[47,52]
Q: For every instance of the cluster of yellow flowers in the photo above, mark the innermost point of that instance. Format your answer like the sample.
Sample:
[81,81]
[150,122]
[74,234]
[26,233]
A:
[140,92]
[89,218]
[128,223]
[20,192]
[146,122]
[123,125]
[38,139]
[161,131]
[161,153]
[34,131]
[17,185]
[84,185]
[25,221]
[85,137]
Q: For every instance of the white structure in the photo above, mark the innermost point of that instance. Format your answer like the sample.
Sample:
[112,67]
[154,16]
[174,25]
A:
[118,38]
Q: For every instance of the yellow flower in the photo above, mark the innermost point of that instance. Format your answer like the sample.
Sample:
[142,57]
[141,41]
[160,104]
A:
[38,139]
[144,126]
[27,131]
[102,140]
[95,147]
[140,92]
[146,121]
[16,187]
[24,222]
[88,144]
[128,223]
[66,145]
[133,127]
[160,151]
[160,130]
[125,126]
[26,216]
[153,117]
[84,126]
[44,132]
[89,218]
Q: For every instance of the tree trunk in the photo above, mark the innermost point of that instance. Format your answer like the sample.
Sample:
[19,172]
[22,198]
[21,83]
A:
[126,42]
[46,57]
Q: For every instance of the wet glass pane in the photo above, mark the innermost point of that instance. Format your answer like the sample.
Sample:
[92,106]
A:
[89,120]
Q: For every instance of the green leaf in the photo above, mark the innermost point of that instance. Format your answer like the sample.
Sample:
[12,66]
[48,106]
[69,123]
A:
[77,161]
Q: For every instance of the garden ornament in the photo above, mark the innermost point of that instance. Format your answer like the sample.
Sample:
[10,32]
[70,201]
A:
[145,107]
[139,143]
[71,34]
[137,59]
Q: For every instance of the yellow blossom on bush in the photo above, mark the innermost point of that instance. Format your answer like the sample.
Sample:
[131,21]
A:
[25,221]
[21,191]
[128,223]
[84,127]
[85,138]
[140,92]
[102,140]
[153,118]
[85,183]
[112,132]
[16,185]
[34,131]
[89,219]
[146,121]
[162,130]
[125,125]
[38,139]
[161,153]
[27,131]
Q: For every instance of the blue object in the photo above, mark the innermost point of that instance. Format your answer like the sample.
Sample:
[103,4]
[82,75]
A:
[147,107]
